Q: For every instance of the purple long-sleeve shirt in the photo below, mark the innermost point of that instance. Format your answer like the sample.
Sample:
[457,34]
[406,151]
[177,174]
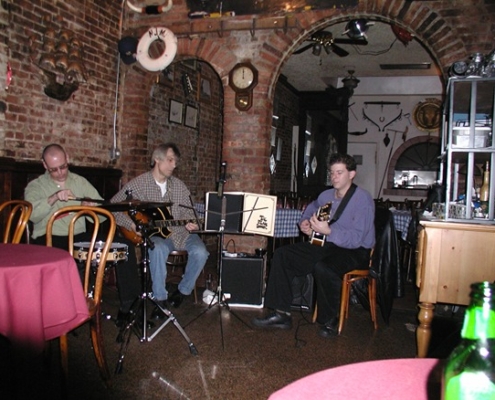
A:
[355,227]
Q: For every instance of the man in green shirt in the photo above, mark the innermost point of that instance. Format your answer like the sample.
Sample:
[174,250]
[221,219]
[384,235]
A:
[57,188]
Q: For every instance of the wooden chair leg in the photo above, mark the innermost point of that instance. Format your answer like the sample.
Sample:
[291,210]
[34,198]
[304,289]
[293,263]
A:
[372,299]
[64,364]
[98,348]
[344,302]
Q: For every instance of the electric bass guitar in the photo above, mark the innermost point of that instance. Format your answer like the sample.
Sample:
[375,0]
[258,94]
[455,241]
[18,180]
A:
[156,220]
[323,214]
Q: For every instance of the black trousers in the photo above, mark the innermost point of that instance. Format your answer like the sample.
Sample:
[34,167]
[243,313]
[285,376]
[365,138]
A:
[126,272]
[328,264]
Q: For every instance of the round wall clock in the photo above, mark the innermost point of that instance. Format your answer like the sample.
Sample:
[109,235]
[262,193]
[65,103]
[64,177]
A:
[242,79]
[427,115]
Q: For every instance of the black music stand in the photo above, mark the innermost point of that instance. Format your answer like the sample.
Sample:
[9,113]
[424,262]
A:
[219,294]
[139,308]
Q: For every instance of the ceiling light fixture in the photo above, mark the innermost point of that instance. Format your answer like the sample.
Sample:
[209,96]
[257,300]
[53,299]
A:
[350,82]
[317,49]
[357,28]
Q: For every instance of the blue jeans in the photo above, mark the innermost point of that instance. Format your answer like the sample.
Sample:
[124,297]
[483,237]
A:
[196,259]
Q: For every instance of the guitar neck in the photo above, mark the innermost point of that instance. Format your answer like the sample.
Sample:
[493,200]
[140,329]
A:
[171,222]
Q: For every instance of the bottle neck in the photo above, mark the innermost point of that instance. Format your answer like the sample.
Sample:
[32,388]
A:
[479,320]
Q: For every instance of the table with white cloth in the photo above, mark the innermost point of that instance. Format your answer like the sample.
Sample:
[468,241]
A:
[392,379]
[41,294]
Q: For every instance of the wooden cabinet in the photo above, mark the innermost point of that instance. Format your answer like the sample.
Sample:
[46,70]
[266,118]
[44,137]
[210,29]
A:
[451,256]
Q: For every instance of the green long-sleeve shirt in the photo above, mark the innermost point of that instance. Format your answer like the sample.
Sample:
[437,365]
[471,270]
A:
[37,193]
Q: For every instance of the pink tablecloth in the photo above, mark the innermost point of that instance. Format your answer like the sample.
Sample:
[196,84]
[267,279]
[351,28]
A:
[404,379]
[41,295]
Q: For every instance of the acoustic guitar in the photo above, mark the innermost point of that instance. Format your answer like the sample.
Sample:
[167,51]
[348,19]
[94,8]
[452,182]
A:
[323,214]
[156,220]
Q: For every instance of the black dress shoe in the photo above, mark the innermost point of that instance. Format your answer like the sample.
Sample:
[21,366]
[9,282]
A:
[157,313]
[330,329]
[176,298]
[274,320]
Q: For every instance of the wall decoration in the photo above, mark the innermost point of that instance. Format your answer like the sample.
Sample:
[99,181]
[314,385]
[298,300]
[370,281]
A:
[166,77]
[175,112]
[426,115]
[191,117]
[205,89]
[61,60]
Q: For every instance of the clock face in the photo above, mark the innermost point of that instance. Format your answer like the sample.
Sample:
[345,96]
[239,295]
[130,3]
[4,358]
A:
[243,77]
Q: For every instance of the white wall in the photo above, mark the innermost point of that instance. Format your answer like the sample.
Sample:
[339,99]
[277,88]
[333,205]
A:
[408,91]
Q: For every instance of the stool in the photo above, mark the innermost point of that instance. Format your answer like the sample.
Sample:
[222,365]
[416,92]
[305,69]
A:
[177,259]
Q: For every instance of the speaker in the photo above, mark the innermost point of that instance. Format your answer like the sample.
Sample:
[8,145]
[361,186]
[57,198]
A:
[242,280]
[304,293]
[233,211]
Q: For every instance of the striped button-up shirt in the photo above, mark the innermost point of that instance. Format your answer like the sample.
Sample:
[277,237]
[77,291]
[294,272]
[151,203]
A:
[144,188]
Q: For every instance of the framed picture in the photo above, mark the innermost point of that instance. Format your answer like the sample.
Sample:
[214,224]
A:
[175,112]
[166,77]
[191,117]
[205,89]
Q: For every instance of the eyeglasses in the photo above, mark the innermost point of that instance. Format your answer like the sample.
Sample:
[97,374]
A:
[63,167]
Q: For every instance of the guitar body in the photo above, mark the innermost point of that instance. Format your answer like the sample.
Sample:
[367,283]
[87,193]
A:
[155,221]
[323,214]
[147,218]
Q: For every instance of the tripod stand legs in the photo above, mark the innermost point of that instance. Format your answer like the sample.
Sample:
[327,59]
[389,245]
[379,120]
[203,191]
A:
[139,315]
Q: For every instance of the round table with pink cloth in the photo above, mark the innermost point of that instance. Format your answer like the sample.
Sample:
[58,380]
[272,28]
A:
[41,294]
[393,379]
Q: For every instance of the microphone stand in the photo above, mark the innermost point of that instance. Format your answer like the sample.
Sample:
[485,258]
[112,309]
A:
[219,295]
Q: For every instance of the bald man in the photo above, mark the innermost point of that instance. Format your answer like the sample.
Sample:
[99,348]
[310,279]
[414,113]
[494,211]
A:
[57,188]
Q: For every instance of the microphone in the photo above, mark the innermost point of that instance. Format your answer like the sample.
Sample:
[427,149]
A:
[222,180]
[224,214]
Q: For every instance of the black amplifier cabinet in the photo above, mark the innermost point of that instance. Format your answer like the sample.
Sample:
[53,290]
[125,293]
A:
[242,280]
[303,289]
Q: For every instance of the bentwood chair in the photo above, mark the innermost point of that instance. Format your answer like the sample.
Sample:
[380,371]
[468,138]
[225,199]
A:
[347,281]
[15,215]
[94,270]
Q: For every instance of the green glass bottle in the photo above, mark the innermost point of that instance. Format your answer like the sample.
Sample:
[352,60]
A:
[470,370]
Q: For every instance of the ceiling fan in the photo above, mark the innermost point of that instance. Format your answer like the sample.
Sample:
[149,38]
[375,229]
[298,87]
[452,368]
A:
[325,40]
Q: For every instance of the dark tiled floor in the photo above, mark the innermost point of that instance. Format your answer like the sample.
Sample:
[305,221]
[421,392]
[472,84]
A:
[248,364]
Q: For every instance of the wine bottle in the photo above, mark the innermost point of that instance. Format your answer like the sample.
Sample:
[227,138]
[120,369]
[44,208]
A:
[485,189]
[470,370]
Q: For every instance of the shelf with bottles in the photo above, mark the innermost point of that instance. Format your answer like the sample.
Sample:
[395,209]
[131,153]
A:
[467,147]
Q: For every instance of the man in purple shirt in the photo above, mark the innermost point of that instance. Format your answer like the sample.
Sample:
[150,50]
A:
[339,247]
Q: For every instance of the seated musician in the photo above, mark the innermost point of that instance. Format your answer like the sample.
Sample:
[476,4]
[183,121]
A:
[336,247]
[56,189]
[160,186]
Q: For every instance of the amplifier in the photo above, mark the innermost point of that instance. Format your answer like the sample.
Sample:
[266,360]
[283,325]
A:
[242,280]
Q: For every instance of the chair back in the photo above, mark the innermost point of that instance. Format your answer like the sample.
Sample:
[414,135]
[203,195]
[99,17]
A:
[100,257]
[15,214]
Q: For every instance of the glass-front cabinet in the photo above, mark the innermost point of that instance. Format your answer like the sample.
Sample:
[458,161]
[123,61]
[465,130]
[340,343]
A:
[468,152]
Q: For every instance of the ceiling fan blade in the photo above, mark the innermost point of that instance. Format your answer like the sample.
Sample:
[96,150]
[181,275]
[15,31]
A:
[303,49]
[339,51]
[362,42]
